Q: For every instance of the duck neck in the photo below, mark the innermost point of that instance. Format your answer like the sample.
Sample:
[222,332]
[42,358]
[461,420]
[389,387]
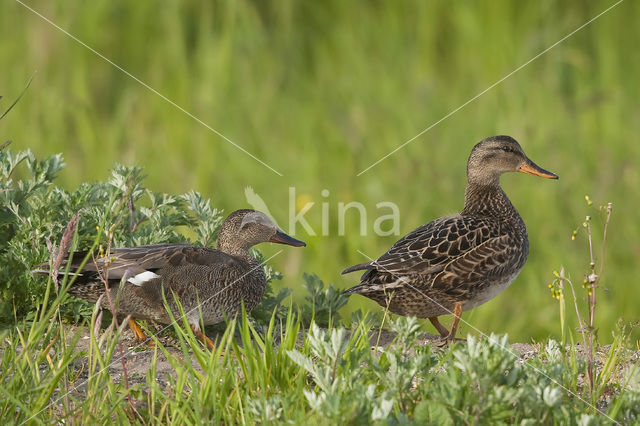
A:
[236,250]
[488,200]
[253,279]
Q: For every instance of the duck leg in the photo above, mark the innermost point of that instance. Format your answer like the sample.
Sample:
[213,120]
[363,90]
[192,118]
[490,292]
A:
[203,338]
[451,336]
[457,313]
[137,331]
[441,328]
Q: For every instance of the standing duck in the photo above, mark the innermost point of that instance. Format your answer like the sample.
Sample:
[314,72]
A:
[206,281]
[458,262]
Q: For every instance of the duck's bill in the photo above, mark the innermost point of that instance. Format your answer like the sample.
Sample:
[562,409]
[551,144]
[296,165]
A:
[532,168]
[282,238]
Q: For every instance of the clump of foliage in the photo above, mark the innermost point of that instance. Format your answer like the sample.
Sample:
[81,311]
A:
[481,382]
[323,302]
[34,213]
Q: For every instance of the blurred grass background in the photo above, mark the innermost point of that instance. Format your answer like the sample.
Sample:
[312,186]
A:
[321,90]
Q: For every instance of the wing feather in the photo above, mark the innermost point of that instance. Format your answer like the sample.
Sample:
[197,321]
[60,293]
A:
[151,258]
[432,247]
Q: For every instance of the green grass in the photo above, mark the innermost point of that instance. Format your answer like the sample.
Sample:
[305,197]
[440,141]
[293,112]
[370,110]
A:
[320,90]
[290,371]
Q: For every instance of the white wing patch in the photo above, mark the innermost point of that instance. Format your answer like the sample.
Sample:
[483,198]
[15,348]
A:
[400,282]
[142,278]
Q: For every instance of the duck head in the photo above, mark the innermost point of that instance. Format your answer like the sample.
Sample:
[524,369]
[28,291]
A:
[500,154]
[245,228]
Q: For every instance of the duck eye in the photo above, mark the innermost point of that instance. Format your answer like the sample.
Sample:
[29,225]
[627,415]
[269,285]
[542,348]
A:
[506,149]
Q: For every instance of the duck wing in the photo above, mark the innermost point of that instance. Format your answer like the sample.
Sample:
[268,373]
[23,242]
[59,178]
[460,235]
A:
[432,246]
[450,247]
[149,258]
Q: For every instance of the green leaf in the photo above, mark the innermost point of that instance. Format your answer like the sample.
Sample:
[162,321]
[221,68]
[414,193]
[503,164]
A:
[430,412]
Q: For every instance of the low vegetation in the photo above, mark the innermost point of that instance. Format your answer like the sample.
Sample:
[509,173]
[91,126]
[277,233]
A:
[284,362]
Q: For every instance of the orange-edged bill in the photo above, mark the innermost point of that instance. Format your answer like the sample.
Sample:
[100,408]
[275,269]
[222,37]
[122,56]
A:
[532,168]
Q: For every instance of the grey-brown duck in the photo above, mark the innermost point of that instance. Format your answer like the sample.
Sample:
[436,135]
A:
[458,262]
[208,281]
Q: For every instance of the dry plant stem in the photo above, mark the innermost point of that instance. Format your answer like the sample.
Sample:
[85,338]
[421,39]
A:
[15,213]
[575,304]
[132,210]
[592,280]
[104,277]
[135,226]
[96,328]
[57,257]
[604,238]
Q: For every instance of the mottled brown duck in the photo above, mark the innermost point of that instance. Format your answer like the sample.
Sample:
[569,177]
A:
[458,262]
[206,281]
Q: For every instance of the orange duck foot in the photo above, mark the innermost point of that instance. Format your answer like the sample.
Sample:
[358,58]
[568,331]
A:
[139,334]
[451,336]
[203,338]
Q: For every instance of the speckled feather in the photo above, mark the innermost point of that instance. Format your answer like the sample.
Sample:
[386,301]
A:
[452,259]
[192,273]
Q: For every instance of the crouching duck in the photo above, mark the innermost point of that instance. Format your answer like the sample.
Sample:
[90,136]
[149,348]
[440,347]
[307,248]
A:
[206,281]
[458,262]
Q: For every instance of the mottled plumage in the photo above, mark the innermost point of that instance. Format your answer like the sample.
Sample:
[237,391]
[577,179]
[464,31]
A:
[210,282]
[457,262]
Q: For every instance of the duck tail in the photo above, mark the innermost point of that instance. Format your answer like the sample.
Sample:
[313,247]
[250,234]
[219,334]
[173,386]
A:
[352,290]
[39,271]
[75,261]
[358,267]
